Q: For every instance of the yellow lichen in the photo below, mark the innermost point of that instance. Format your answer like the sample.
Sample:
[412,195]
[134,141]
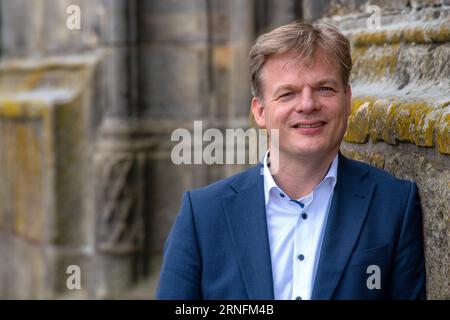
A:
[443,132]
[414,35]
[364,38]
[33,78]
[21,109]
[377,159]
[394,121]
[440,33]
[26,156]
[357,130]
[353,154]
[10,109]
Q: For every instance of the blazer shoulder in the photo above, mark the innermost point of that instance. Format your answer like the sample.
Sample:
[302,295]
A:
[222,187]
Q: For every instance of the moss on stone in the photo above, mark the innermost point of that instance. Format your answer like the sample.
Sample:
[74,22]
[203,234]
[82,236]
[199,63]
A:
[441,35]
[357,130]
[25,133]
[443,132]
[395,121]
[414,35]
[411,35]
[21,109]
[376,63]
[364,38]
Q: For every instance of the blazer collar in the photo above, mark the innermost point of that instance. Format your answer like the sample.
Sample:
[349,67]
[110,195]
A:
[246,217]
[349,206]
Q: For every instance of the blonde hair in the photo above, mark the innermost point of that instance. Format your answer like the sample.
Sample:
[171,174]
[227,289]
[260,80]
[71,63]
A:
[302,39]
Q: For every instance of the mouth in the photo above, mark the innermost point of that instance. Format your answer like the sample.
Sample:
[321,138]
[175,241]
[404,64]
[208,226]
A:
[308,125]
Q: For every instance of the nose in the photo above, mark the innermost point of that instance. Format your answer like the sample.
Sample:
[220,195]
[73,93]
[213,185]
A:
[306,103]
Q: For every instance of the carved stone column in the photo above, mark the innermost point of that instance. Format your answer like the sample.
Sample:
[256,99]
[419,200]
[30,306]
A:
[121,219]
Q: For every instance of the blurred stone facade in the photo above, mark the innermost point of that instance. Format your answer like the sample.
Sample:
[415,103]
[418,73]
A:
[86,118]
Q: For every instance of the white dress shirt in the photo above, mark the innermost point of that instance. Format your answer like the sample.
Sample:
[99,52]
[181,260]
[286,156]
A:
[296,228]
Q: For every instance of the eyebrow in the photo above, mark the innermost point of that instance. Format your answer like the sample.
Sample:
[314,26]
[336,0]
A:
[327,80]
[289,87]
[286,87]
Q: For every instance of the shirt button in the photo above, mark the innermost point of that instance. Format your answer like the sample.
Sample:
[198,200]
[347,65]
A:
[298,298]
[300,257]
[304,215]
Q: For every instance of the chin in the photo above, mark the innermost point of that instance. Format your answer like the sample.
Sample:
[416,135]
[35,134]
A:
[305,151]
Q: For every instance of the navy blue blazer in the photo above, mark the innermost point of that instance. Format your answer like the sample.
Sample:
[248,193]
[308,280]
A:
[218,247]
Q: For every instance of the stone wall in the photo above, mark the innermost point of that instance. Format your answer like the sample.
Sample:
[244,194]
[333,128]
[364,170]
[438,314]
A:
[57,86]
[44,190]
[86,118]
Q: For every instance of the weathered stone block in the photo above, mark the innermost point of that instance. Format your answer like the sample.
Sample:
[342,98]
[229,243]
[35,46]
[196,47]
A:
[114,78]
[26,18]
[174,21]
[239,88]
[169,181]
[174,82]
[43,145]
[66,263]
[40,26]
[23,271]
[24,145]
[231,97]
[114,275]
[280,12]
[395,122]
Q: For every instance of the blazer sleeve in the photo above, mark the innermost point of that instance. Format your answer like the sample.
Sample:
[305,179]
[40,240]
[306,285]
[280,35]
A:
[408,276]
[180,277]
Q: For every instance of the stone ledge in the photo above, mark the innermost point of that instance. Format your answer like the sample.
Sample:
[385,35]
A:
[428,25]
[52,80]
[16,109]
[404,65]
[428,33]
[44,105]
[394,120]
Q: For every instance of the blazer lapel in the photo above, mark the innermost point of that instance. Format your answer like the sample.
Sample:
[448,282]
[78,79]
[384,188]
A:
[348,210]
[246,217]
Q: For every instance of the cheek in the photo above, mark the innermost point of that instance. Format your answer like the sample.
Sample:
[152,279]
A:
[276,118]
[339,114]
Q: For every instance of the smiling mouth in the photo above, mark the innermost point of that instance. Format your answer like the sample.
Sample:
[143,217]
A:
[312,125]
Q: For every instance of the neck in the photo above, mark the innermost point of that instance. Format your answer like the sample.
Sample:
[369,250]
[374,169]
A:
[298,176]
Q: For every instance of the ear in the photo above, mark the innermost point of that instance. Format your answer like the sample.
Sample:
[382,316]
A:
[258,112]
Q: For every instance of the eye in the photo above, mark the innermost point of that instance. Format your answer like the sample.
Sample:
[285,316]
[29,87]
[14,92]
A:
[326,89]
[286,95]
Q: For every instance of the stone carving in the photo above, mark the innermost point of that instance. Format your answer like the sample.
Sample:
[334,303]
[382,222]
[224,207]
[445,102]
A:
[119,200]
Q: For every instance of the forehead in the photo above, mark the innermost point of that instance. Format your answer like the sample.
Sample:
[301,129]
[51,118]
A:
[291,67]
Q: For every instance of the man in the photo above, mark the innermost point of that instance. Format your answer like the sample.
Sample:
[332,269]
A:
[314,225]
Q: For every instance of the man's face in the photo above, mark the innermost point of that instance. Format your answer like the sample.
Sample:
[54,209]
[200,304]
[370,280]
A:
[309,104]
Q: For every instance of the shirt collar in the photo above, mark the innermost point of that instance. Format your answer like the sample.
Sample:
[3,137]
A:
[269,182]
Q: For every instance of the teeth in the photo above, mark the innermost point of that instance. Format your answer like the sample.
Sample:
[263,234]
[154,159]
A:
[315,125]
